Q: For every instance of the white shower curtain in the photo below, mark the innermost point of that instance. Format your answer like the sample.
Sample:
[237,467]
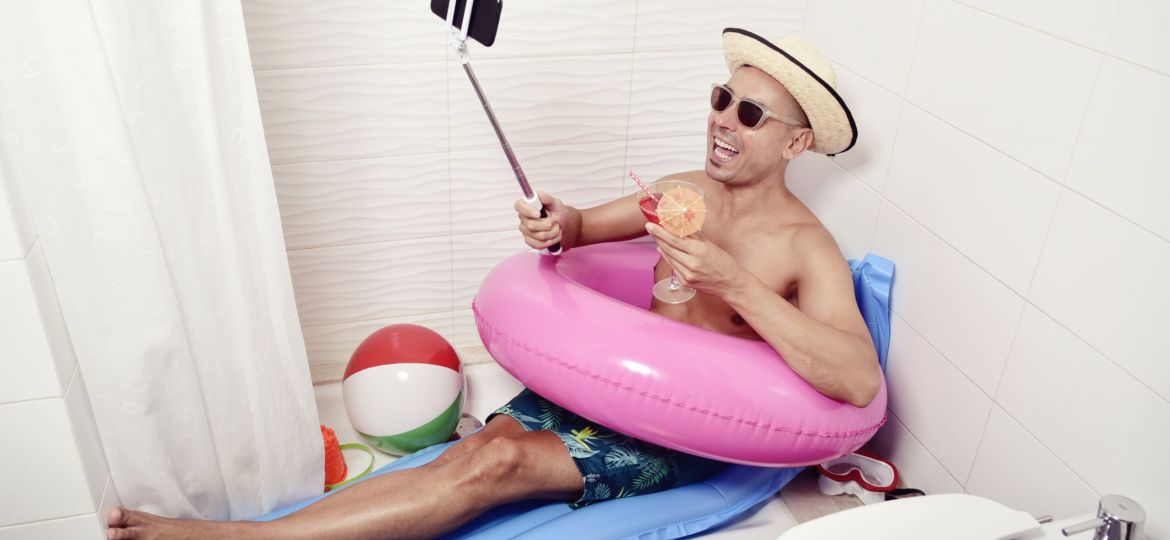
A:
[135,131]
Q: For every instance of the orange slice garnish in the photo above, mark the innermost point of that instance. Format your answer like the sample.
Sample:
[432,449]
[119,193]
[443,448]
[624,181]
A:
[681,211]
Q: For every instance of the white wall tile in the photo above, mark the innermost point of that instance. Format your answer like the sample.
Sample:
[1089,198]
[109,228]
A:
[360,201]
[302,33]
[1085,22]
[330,346]
[110,500]
[874,39]
[959,308]
[1140,33]
[43,478]
[540,28]
[1015,469]
[876,112]
[85,527]
[698,24]
[985,204]
[1121,159]
[1103,278]
[920,380]
[85,434]
[538,101]
[16,227]
[916,467]
[35,365]
[484,188]
[671,92]
[843,203]
[343,113]
[1021,92]
[653,159]
[372,281]
[1106,426]
[475,256]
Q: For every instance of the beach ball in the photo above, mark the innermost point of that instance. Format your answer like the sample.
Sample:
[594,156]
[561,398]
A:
[403,389]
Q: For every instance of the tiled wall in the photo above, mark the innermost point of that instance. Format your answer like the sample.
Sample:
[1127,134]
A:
[1012,161]
[395,195]
[54,482]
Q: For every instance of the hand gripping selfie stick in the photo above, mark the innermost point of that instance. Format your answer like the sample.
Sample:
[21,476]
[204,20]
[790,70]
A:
[459,43]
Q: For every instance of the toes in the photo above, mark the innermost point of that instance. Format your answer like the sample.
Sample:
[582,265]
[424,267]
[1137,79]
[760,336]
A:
[119,534]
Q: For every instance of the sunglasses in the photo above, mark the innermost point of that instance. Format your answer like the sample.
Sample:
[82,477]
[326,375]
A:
[749,113]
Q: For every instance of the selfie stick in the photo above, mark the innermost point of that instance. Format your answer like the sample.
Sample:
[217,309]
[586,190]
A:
[459,43]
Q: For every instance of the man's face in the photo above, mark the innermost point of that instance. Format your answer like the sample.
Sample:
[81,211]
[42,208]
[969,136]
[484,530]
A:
[754,153]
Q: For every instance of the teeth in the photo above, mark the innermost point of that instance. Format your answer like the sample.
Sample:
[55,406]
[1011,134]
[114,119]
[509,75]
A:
[726,146]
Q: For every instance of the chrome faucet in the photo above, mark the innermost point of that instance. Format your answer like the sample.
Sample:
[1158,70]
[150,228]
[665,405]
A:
[1118,518]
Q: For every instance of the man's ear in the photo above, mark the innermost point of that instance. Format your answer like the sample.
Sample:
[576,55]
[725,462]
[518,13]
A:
[800,142]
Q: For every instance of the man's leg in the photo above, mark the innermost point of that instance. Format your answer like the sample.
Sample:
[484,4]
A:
[417,503]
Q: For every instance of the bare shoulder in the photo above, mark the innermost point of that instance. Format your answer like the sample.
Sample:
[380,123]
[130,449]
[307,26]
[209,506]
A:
[818,250]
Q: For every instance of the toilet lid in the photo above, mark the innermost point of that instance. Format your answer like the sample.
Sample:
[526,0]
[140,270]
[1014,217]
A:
[953,516]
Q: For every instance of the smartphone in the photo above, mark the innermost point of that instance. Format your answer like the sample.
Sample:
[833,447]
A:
[485,18]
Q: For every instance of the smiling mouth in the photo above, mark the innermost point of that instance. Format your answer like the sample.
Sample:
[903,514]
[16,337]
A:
[723,150]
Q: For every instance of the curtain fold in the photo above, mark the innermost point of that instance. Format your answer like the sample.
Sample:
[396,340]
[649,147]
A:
[135,130]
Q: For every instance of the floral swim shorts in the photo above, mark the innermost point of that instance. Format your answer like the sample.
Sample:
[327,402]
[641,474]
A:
[612,465]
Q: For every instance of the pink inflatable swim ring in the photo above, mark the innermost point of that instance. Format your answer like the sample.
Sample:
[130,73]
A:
[576,330]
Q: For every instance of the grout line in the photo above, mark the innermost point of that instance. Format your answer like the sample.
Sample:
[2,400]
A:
[1092,347]
[926,449]
[1040,441]
[914,56]
[1027,302]
[941,354]
[1081,125]
[995,389]
[450,185]
[1009,156]
[629,103]
[1102,51]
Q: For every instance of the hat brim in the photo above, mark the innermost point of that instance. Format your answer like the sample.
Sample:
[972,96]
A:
[834,130]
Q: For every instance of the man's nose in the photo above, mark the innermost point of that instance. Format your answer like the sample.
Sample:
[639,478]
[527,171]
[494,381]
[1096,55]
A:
[726,118]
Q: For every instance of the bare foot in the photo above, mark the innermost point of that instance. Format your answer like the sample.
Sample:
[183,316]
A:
[128,524]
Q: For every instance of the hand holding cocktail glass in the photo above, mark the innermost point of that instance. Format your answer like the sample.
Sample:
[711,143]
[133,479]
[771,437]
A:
[678,208]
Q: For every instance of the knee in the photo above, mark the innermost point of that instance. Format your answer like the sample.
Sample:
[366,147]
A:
[498,459]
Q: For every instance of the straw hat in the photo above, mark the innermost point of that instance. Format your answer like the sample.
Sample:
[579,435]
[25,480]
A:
[807,75]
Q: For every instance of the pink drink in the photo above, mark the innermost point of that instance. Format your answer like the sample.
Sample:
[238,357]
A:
[649,207]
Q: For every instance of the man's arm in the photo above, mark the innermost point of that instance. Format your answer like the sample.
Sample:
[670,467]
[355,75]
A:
[613,221]
[825,341]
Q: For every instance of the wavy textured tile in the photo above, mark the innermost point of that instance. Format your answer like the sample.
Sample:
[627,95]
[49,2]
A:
[344,113]
[671,92]
[330,346]
[698,24]
[362,201]
[372,281]
[484,189]
[653,159]
[542,28]
[474,256]
[303,33]
[541,101]
[465,334]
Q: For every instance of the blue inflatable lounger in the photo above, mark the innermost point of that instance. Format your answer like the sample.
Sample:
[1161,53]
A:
[674,513]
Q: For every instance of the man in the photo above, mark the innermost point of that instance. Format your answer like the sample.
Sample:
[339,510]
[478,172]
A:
[765,269]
